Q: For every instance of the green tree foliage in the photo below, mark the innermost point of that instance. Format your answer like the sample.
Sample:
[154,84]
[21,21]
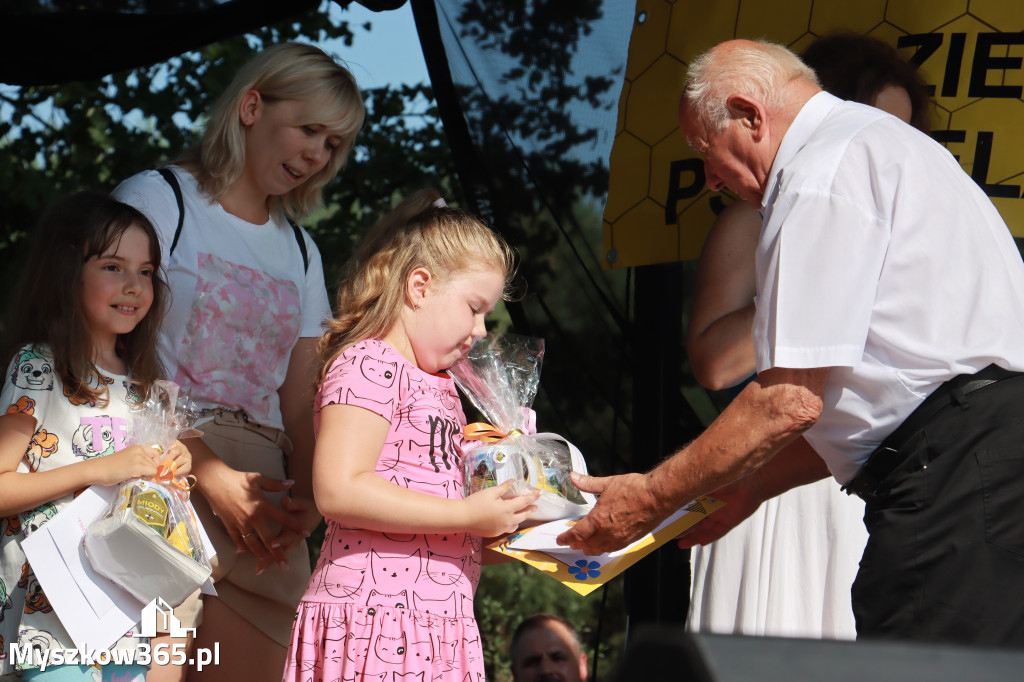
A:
[401,148]
[529,118]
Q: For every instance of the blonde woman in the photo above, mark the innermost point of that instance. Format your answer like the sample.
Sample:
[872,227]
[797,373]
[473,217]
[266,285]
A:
[248,299]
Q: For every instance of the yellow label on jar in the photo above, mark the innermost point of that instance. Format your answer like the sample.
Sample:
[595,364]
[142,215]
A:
[151,507]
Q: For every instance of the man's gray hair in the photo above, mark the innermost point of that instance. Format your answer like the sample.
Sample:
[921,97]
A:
[759,69]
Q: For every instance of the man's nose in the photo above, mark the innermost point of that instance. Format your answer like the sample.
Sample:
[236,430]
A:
[714,182]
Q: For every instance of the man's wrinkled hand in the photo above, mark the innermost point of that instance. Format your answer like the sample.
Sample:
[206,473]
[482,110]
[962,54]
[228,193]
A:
[742,498]
[626,510]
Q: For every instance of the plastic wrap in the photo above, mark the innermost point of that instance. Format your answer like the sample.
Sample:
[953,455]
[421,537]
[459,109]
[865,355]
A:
[500,376]
[149,541]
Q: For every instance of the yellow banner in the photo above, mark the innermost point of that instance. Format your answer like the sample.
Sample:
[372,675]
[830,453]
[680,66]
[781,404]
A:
[658,208]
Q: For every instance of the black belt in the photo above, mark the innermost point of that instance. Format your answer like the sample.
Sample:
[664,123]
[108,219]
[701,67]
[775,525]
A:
[887,456]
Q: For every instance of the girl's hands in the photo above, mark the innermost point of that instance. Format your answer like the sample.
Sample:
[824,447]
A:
[489,513]
[139,461]
[181,457]
[134,461]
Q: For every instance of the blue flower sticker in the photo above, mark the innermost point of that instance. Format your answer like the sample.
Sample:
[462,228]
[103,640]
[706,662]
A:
[585,570]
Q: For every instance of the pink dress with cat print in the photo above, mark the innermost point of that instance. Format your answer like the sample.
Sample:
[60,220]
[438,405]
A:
[394,606]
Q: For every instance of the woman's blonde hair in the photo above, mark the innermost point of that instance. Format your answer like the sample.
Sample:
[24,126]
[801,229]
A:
[289,71]
[418,233]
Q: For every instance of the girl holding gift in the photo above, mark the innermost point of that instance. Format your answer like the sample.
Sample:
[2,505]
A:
[393,589]
[240,335]
[82,335]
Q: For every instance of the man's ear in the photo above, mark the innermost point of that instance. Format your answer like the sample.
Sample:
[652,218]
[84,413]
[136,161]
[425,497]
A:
[418,286]
[583,665]
[750,112]
[249,108]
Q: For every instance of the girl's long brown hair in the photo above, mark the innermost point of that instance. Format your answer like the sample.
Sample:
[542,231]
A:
[47,305]
[416,234]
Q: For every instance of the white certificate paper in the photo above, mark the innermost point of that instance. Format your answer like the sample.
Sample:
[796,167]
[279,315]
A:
[95,611]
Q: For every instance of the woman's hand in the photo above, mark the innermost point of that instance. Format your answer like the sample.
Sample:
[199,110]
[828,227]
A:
[134,461]
[489,513]
[300,508]
[253,521]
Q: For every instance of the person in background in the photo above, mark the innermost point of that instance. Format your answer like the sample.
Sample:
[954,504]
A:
[81,345]
[248,301]
[786,570]
[547,648]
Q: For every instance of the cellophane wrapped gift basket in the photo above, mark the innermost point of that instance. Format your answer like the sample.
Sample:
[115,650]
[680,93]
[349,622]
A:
[149,541]
[500,376]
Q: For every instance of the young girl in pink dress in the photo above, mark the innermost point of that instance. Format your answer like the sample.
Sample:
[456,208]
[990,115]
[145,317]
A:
[392,593]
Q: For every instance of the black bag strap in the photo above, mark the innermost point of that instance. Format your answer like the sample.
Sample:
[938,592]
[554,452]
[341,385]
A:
[168,175]
[302,245]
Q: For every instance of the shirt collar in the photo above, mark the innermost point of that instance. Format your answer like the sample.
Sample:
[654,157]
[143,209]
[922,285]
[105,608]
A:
[806,122]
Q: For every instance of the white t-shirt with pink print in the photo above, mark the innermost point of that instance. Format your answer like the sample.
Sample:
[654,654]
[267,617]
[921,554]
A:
[240,297]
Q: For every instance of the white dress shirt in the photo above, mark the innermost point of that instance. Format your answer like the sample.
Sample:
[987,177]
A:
[880,258]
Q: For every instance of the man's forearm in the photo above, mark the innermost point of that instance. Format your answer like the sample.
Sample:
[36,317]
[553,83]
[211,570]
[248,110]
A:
[767,416]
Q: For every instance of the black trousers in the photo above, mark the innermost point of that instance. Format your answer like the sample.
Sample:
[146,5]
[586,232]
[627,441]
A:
[945,555]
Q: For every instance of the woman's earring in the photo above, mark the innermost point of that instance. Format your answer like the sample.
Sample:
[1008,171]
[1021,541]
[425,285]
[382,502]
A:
[416,305]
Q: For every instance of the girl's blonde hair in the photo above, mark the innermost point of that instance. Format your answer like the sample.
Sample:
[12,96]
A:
[47,306]
[289,71]
[418,233]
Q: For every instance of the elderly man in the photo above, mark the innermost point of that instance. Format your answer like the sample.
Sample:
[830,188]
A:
[546,648]
[889,334]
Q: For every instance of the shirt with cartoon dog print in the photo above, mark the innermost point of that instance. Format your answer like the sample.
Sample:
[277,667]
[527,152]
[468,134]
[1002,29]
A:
[67,431]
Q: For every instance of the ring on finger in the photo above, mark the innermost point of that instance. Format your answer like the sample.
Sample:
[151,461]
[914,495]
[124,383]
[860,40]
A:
[248,535]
